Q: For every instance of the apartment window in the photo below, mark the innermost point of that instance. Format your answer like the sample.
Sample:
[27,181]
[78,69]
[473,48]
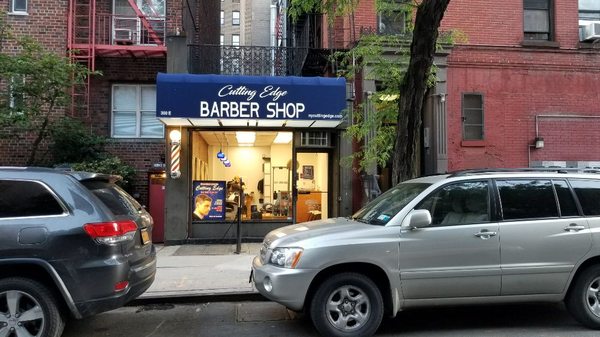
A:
[235,40]
[589,10]
[18,6]
[319,139]
[392,18]
[537,17]
[222,17]
[472,116]
[235,19]
[134,112]
[15,91]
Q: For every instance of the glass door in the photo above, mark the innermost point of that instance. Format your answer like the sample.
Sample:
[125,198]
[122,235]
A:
[312,172]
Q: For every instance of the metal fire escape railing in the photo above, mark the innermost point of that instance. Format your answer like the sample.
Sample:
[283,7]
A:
[249,60]
[89,34]
[81,32]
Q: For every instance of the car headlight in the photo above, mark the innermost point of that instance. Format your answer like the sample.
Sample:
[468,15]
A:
[286,257]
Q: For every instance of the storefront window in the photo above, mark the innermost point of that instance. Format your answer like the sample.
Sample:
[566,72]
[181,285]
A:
[254,168]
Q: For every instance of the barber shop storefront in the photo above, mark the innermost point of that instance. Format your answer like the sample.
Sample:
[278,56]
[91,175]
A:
[248,154]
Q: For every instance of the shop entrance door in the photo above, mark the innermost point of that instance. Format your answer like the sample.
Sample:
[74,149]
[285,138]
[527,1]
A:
[312,184]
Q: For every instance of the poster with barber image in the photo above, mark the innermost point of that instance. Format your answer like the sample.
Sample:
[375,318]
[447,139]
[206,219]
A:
[208,201]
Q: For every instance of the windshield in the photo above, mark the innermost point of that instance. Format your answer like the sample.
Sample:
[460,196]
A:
[383,208]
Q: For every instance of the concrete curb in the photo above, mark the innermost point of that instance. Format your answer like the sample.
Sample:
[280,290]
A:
[204,298]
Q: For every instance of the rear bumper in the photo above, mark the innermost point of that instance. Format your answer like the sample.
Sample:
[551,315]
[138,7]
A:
[140,281]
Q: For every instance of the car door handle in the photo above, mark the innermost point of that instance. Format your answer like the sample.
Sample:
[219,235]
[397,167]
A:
[485,234]
[574,228]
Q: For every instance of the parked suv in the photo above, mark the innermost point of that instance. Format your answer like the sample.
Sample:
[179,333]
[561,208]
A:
[480,236]
[71,243]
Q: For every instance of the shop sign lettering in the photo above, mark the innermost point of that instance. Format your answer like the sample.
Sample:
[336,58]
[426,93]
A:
[249,109]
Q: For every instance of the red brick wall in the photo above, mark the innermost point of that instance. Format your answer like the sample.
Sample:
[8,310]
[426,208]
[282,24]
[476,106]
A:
[139,153]
[47,23]
[518,84]
[500,23]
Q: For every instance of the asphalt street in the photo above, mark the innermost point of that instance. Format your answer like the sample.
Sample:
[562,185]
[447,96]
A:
[267,319]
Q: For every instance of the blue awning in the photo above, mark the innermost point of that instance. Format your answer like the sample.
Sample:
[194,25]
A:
[256,101]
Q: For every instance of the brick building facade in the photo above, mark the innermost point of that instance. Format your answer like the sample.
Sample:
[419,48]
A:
[530,80]
[130,59]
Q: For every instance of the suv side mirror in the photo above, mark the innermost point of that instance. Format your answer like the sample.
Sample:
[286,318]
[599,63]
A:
[417,218]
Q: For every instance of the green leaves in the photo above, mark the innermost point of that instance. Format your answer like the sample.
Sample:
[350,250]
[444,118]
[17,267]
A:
[36,87]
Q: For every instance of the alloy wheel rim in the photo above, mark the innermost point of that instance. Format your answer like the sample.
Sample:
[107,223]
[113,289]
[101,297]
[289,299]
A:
[348,308]
[21,315]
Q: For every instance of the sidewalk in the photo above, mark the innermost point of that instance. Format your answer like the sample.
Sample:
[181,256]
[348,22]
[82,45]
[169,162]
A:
[202,271]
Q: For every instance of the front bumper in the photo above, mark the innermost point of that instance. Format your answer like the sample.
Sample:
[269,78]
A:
[287,286]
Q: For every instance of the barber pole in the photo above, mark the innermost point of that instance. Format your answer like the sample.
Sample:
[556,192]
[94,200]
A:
[175,160]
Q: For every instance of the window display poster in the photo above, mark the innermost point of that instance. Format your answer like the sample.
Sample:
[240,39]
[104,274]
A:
[208,202]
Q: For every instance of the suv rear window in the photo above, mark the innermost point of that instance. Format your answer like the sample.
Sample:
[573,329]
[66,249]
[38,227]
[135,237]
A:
[588,192]
[27,198]
[115,198]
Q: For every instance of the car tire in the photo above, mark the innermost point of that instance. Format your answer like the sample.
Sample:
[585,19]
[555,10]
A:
[583,301]
[30,306]
[347,304]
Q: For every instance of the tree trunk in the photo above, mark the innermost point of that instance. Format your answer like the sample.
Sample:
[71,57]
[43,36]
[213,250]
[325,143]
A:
[405,163]
[36,143]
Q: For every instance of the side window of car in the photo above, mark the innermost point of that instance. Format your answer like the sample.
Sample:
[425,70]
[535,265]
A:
[565,198]
[527,199]
[27,198]
[459,204]
[588,193]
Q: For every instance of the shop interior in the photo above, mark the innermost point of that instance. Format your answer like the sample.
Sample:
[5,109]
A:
[262,162]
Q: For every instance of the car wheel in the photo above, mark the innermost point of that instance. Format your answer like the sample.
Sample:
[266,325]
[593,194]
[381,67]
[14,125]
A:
[347,304]
[584,299]
[28,308]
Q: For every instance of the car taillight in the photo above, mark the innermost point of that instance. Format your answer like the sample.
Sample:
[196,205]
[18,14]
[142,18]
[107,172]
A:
[111,232]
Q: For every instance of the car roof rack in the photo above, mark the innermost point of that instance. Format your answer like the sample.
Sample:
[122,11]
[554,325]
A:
[462,173]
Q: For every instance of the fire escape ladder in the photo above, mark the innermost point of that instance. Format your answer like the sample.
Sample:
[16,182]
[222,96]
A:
[144,20]
[82,51]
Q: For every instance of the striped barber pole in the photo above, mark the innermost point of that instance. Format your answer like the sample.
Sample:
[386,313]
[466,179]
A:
[175,160]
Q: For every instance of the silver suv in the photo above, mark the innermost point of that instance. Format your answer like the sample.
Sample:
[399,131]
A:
[479,236]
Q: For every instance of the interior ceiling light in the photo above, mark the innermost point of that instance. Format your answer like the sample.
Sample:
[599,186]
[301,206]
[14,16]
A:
[245,137]
[283,138]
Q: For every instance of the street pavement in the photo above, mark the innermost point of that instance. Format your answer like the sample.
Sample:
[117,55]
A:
[196,273]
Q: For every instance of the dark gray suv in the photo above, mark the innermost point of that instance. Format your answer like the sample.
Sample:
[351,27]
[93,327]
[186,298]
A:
[71,244]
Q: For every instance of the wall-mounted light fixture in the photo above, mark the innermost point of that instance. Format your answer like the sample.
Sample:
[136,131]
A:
[175,137]
[539,142]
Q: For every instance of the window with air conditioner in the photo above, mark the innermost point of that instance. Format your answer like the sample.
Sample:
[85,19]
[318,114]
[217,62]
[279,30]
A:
[472,116]
[140,23]
[537,20]
[134,112]
[392,18]
[589,20]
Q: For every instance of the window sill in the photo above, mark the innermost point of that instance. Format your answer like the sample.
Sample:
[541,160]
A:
[18,13]
[540,44]
[472,143]
[138,139]
[589,45]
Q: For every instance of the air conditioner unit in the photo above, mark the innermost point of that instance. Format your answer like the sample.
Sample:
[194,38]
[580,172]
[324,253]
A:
[591,31]
[123,36]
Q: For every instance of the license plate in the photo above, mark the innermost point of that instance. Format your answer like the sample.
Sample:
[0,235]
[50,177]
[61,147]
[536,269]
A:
[145,237]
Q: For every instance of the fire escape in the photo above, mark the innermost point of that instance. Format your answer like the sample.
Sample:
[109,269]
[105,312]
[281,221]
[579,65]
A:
[136,28]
